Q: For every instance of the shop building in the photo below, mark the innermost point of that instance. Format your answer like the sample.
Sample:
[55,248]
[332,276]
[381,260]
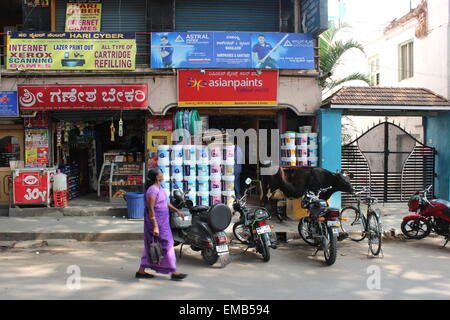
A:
[81,134]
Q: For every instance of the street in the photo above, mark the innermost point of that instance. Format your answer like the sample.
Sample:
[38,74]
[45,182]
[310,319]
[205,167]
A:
[409,270]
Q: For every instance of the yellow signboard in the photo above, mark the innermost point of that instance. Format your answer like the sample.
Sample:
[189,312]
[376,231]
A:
[71,51]
[83,17]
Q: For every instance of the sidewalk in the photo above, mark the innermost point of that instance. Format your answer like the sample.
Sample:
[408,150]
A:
[116,228]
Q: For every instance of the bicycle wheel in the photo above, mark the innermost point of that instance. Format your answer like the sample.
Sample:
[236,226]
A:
[353,222]
[374,233]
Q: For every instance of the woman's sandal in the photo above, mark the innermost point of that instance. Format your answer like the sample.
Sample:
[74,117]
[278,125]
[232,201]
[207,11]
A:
[144,275]
[178,277]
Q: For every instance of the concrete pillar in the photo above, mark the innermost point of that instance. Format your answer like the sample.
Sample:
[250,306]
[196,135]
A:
[437,135]
[330,138]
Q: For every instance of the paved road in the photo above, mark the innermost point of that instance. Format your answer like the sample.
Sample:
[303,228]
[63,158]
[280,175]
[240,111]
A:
[409,270]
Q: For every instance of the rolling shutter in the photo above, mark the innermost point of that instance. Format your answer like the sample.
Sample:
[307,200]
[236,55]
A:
[227,15]
[117,16]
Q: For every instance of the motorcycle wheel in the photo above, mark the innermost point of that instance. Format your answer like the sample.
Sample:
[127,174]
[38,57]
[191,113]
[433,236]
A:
[413,229]
[265,250]
[304,231]
[210,256]
[241,233]
[329,246]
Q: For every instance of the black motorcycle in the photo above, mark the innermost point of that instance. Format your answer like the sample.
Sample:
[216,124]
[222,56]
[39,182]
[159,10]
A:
[202,228]
[252,228]
[321,227]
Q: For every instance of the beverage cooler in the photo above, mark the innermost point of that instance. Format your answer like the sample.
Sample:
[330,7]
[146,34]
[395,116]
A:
[32,186]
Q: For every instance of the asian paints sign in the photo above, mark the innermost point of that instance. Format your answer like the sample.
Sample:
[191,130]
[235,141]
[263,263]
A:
[227,87]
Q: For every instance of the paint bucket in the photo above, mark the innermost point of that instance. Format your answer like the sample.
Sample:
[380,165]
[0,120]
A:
[289,162]
[203,198]
[215,169]
[302,162]
[176,154]
[215,153]
[297,139]
[307,129]
[227,198]
[202,155]
[228,170]
[189,154]
[176,184]
[202,170]
[312,139]
[163,152]
[290,138]
[290,151]
[190,184]
[228,183]
[216,183]
[303,139]
[177,169]
[228,153]
[282,139]
[166,171]
[302,151]
[215,197]
[313,162]
[192,196]
[313,151]
[189,170]
[203,183]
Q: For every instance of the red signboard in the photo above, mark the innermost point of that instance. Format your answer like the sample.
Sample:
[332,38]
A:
[83,97]
[32,187]
[227,87]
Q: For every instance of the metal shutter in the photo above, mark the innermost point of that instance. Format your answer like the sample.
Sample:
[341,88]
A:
[117,16]
[227,15]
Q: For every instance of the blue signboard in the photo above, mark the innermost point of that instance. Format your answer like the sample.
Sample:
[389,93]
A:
[314,16]
[270,50]
[8,104]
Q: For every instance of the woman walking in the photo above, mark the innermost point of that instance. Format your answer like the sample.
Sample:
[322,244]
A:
[156,224]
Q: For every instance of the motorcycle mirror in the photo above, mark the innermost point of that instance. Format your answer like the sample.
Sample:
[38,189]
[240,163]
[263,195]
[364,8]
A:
[248,181]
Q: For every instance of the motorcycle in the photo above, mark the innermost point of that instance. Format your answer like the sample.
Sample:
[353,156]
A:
[202,228]
[252,228]
[429,215]
[321,227]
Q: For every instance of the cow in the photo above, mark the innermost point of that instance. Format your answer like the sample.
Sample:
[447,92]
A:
[295,181]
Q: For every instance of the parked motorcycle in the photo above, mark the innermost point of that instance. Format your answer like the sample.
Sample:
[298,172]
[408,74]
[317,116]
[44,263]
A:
[252,228]
[202,228]
[430,215]
[321,227]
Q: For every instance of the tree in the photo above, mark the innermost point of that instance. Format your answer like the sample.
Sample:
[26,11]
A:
[331,52]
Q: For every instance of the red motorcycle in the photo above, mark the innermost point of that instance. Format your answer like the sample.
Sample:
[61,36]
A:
[432,215]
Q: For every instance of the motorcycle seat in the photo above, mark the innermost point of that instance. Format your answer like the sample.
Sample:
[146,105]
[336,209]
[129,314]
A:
[331,209]
[198,209]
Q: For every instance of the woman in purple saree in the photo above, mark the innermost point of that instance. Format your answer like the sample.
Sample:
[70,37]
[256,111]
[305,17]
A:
[157,224]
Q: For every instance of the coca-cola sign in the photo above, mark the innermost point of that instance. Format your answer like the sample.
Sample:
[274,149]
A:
[83,97]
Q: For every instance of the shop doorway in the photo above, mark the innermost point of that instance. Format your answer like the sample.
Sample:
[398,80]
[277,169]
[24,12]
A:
[82,153]
[246,122]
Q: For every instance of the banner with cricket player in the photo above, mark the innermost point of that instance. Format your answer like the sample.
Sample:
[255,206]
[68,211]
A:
[71,51]
[236,50]
[83,15]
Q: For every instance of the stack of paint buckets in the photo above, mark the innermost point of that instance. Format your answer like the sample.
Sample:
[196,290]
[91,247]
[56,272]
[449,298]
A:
[299,148]
[205,173]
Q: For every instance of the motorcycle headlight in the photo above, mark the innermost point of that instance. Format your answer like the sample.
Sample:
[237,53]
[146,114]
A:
[261,213]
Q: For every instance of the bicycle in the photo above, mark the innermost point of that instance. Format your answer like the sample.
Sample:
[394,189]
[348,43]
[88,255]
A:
[358,227]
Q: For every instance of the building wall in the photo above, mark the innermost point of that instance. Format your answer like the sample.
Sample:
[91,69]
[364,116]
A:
[431,53]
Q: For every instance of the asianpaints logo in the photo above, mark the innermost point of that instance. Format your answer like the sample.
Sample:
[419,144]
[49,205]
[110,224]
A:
[224,83]
[30,180]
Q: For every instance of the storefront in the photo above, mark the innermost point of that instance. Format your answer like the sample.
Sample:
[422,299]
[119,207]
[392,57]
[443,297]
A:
[94,133]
